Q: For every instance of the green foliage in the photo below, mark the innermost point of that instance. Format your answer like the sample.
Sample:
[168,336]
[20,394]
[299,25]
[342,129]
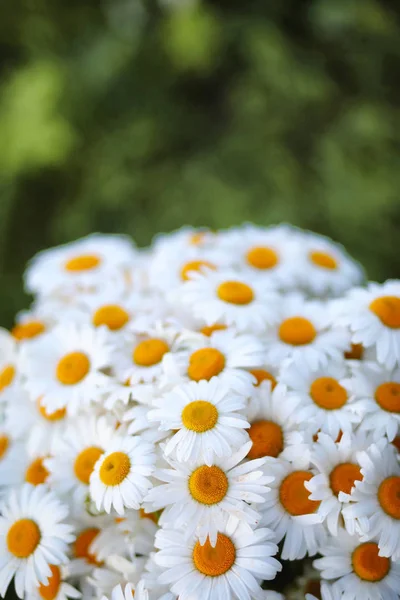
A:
[140,116]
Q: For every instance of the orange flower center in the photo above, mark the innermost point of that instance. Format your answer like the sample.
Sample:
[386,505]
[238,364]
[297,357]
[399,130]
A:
[205,363]
[4,445]
[112,316]
[343,477]
[267,438]
[208,330]
[72,368]
[82,545]
[297,331]
[195,266]
[214,562]
[23,538]
[323,260]
[85,461]
[36,473]
[28,330]
[389,496]
[294,496]
[262,257]
[84,262]
[263,375]
[235,292]
[57,415]
[387,309]
[6,376]
[115,468]
[327,393]
[199,416]
[50,591]
[387,395]
[355,353]
[208,485]
[367,564]
[150,352]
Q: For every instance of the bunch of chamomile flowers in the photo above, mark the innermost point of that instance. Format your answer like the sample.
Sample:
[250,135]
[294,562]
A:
[215,417]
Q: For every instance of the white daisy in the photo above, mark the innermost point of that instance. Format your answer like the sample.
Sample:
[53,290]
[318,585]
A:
[64,367]
[373,317]
[325,403]
[200,499]
[272,429]
[225,354]
[290,512]
[338,470]
[75,454]
[376,398]
[128,592]
[83,558]
[32,537]
[356,569]
[375,500]
[231,569]
[302,331]
[83,264]
[120,477]
[205,415]
[57,588]
[230,298]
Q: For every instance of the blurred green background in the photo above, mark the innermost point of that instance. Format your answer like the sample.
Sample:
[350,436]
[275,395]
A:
[140,116]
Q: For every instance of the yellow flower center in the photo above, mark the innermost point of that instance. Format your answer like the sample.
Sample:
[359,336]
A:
[262,257]
[235,292]
[82,545]
[72,368]
[36,472]
[115,468]
[389,496]
[263,375]
[208,330]
[267,438]
[199,416]
[28,330]
[327,393]
[387,395]
[297,331]
[57,415]
[4,445]
[208,485]
[150,352]
[387,309]
[23,538]
[84,262]
[85,461]
[323,260]
[367,564]
[294,496]
[50,591]
[112,316]
[6,376]
[214,562]
[195,265]
[205,363]
[343,477]
[356,352]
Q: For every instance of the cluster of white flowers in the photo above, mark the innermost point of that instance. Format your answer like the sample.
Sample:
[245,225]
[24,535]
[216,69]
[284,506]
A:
[181,421]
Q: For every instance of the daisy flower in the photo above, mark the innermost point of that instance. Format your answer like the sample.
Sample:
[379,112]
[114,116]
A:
[338,470]
[64,367]
[325,403]
[29,325]
[32,537]
[233,568]
[272,430]
[356,569]
[75,454]
[324,267]
[128,593]
[230,298]
[225,354]
[375,500]
[57,588]
[302,331]
[205,415]
[83,264]
[289,511]
[120,476]
[200,499]
[373,317]
[376,398]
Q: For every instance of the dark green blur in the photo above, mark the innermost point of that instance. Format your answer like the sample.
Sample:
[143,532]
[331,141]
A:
[138,117]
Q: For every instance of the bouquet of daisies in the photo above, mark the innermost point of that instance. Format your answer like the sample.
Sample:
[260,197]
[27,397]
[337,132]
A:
[185,420]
